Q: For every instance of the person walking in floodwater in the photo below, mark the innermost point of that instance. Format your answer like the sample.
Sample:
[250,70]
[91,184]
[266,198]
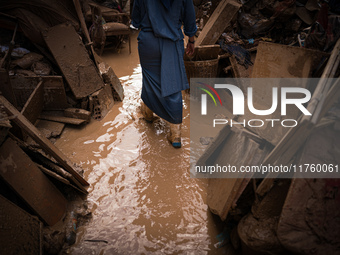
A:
[161,50]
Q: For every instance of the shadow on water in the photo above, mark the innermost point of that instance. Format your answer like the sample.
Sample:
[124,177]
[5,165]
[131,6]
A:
[141,195]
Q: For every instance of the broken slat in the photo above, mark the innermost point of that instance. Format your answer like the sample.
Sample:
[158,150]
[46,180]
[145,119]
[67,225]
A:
[73,60]
[62,119]
[59,178]
[218,22]
[34,104]
[38,137]
[31,184]
[42,160]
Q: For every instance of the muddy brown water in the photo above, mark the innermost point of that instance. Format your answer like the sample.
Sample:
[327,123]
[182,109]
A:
[141,195]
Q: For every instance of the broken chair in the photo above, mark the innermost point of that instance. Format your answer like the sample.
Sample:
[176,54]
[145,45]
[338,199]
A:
[101,30]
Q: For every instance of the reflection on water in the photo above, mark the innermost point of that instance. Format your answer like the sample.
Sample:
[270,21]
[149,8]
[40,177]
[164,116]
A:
[141,195]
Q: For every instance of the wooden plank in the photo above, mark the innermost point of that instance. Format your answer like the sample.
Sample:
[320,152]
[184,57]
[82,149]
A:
[324,85]
[238,150]
[34,104]
[287,62]
[31,184]
[54,91]
[20,232]
[62,119]
[38,137]
[218,22]
[73,60]
[218,140]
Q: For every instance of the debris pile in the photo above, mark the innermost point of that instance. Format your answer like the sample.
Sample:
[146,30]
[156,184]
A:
[277,39]
[50,76]
[239,27]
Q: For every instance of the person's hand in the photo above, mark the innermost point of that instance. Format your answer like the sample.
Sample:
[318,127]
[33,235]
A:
[190,48]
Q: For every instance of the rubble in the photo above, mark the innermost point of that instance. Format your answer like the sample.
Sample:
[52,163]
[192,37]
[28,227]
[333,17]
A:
[52,77]
[277,39]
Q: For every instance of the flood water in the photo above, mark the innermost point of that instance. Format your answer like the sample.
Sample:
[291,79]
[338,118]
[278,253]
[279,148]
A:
[141,195]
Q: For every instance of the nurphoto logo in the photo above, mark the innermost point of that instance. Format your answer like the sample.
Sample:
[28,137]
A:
[239,104]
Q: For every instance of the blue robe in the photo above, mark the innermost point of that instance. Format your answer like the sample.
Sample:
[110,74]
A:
[161,50]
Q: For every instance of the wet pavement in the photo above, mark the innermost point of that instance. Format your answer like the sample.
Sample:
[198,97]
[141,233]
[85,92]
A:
[141,195]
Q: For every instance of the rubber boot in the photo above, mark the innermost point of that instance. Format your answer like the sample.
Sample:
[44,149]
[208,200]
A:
[175,135]
[147,113]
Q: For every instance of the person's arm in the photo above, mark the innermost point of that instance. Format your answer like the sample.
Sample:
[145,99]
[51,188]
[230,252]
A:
[190,28]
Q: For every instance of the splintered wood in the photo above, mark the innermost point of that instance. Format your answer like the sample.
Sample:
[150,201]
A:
[39,138]
[31,184]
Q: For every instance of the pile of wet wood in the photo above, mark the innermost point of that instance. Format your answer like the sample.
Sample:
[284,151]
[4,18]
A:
[50,77]
[239,26]
[281,216]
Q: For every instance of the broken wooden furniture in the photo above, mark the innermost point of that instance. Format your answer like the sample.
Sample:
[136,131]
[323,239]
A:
[118,29]
[39,138]
[24,177]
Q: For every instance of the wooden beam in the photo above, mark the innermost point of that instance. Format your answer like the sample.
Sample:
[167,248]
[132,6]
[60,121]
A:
[39,138]
[218,22]
[62,119]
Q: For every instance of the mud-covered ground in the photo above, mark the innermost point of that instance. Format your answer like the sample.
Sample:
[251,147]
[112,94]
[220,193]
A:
[141,195]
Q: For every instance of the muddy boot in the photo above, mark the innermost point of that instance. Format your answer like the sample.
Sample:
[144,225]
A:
[175,135]
[147,113]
